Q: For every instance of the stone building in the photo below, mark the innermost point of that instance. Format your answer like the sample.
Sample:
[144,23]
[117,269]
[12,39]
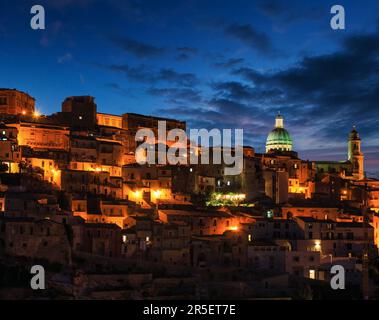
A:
[15,102]
[38,239]
[103,239]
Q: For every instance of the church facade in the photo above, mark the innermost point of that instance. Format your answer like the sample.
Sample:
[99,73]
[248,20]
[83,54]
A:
[279,141]
[353,167]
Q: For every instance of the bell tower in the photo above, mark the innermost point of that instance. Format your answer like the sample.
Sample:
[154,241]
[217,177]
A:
[355,156]
[279,121]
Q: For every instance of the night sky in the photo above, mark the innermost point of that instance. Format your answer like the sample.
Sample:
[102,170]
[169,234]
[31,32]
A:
[213,63]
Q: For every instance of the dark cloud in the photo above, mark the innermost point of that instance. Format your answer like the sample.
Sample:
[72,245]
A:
[284,13]
[229,63]
[253,38]
[320,96]
[177,95]
[343,86]
[137,48]
[185,53]
[150,75]
[271,8]
[115,87]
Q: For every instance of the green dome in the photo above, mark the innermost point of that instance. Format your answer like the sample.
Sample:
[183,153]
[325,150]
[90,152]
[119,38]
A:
[279,138]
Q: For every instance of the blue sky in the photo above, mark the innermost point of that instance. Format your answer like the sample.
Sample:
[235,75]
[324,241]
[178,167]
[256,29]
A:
[213,63]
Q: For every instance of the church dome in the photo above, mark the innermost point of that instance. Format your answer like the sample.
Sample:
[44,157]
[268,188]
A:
[279,138]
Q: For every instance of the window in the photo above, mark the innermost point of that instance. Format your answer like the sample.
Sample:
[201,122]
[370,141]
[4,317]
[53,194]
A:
[3,101]
[312,274]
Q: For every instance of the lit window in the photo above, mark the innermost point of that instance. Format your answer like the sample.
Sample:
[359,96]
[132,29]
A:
[312,274]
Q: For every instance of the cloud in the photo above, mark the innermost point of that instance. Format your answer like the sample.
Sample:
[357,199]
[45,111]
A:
[229,63]
[177,95]
[327,94]
[117,88]
[321,97]
[271,8]
[284,14]
[253,38]
[185,53]
[150,75]
[137,48]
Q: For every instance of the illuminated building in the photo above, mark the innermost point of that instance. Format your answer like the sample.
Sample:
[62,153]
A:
[94,182]
[114,171]
[42,136]
[14,102]
[279,139]
[286,176]
[10,152]
[205,222]
[109,120]
[95,210]
[353,168]
[355,155]
[51,172]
